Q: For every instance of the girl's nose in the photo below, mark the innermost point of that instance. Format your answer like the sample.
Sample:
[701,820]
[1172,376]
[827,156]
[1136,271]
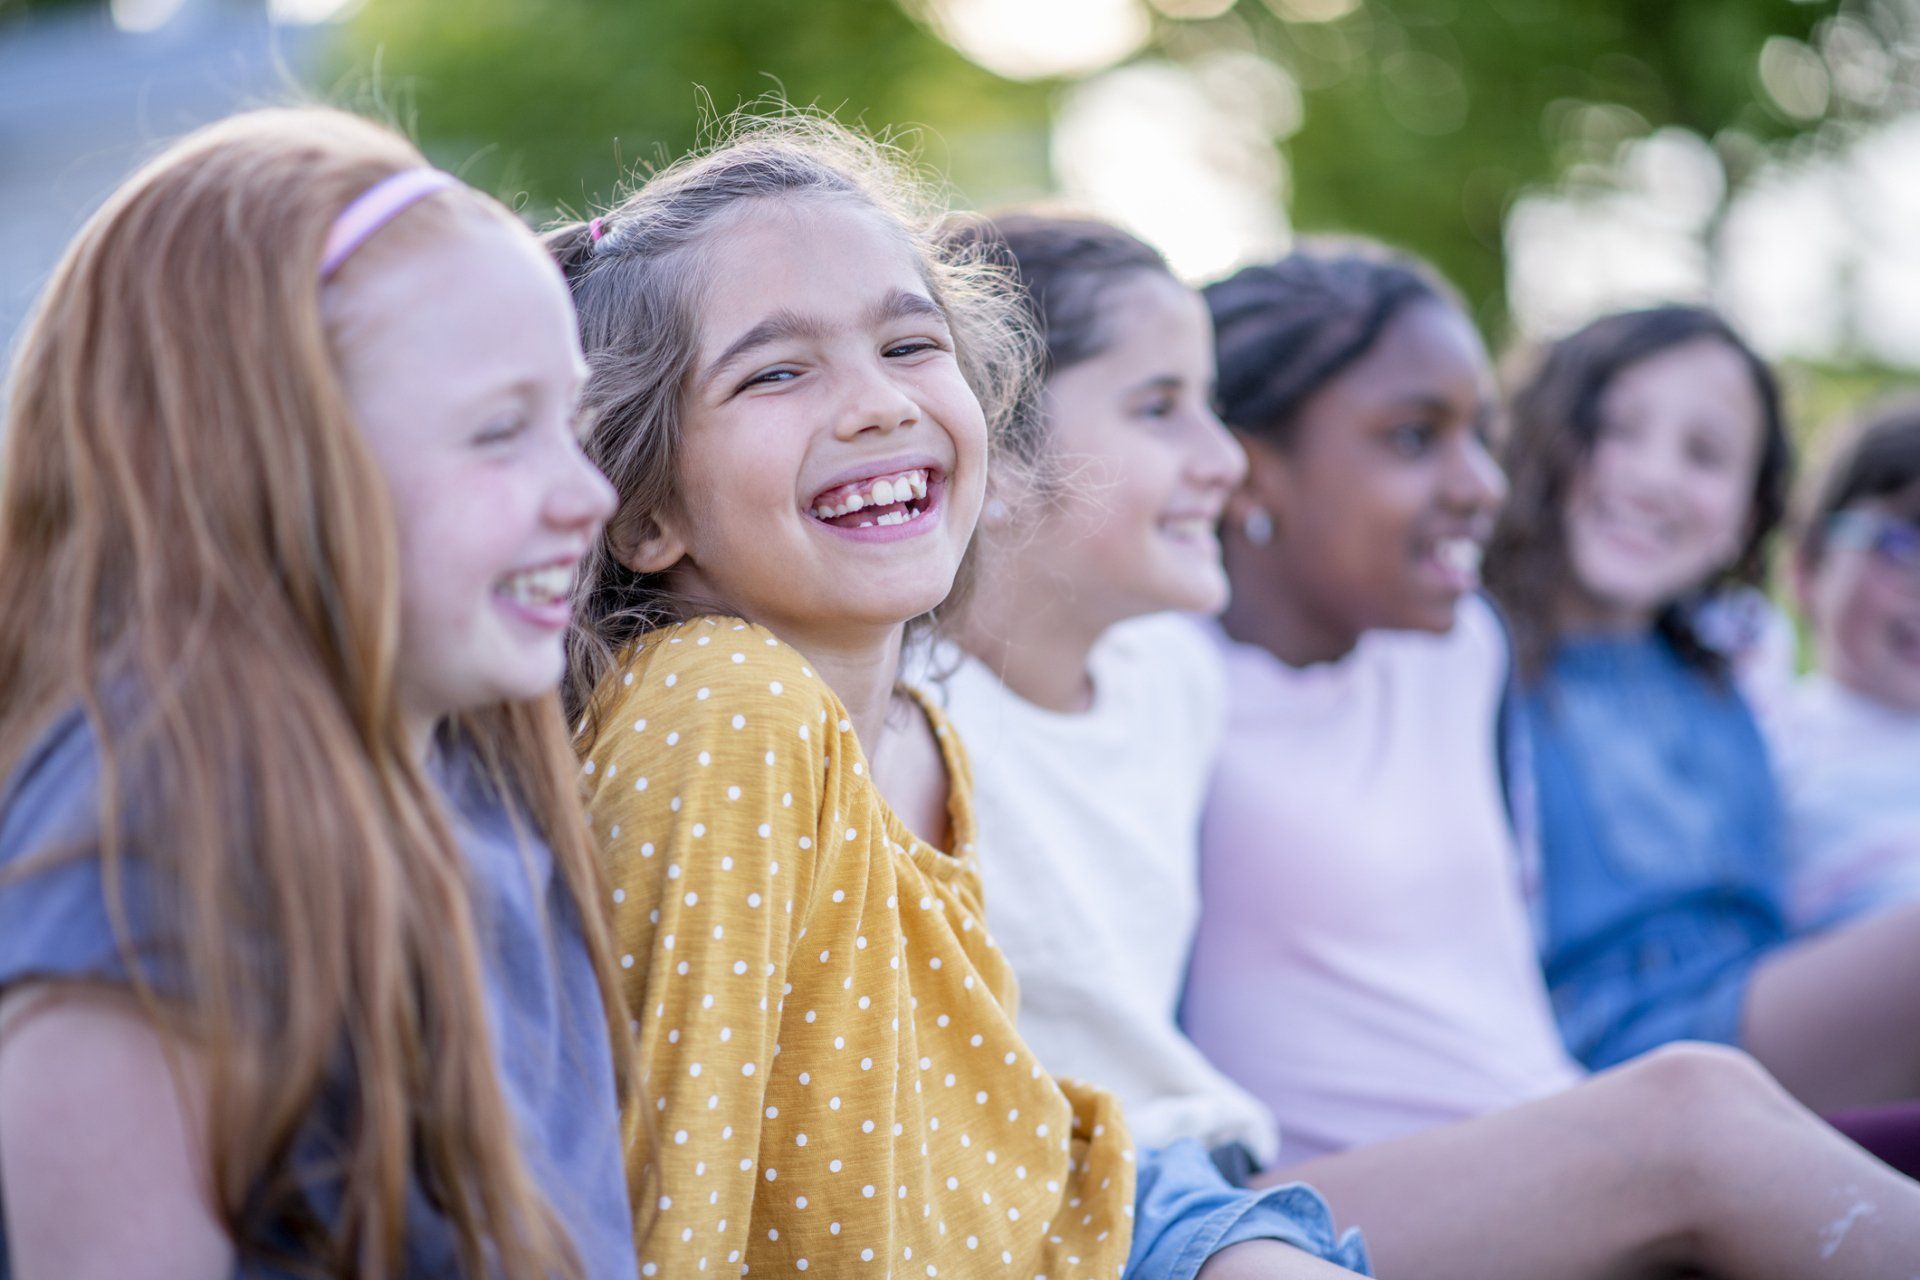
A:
[580,494]
[1219,459]
[875,402]
[1474,479]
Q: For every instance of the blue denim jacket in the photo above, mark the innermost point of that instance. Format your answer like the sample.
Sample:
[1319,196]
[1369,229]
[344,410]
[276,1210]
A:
[1659,841]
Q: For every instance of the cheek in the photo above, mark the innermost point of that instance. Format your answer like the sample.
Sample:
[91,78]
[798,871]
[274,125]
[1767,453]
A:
[1845,612]
[456,538]
[1724,503]
[733,482]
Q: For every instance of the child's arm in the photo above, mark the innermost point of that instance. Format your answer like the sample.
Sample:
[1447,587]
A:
[710,817]
[102,1151]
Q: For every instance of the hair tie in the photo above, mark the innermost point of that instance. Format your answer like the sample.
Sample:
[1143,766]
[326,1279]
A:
[596,229]
[374,208]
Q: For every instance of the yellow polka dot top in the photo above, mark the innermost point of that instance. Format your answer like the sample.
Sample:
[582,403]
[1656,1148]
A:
[830,1076]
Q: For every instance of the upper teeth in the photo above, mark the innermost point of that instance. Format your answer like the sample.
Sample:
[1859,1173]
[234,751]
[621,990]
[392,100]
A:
[1188,525]
[1462,554]
[538,586]
[904,487]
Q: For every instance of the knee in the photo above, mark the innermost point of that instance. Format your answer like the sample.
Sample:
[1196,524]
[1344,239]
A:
[1700,1075]
[1699,1095]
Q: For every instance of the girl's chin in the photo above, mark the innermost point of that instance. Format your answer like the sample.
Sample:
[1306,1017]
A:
[527,676]
[1435,615]
[892,608]
[1200,596]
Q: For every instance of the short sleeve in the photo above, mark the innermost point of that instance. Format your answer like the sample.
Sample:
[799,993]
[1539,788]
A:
[709,792]
[54,917]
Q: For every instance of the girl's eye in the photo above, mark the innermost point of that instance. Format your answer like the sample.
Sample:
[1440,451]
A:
[900,350]
[1411,439]
[770,377]
[1707,453]
[500,432]
[1159,407]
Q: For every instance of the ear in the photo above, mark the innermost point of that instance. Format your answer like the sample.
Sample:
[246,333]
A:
[1265,489]
[653,545]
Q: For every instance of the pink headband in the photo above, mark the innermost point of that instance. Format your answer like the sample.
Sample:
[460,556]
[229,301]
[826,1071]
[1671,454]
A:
[373,208]
[597,228]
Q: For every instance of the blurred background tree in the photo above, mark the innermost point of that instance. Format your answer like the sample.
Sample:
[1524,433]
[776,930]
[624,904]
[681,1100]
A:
[1552,157]
[559,99]
[1424,119]
[1421,122]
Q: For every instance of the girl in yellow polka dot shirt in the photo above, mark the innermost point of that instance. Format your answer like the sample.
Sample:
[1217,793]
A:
[789,378]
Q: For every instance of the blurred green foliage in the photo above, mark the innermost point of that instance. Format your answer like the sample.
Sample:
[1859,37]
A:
[557,100]
[1423,119]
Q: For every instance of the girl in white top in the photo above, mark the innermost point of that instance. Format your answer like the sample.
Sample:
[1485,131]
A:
[1091,872]
[1675,1162]
[1846,739]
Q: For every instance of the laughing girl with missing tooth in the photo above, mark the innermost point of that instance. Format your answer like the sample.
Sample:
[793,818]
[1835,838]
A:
[795,390]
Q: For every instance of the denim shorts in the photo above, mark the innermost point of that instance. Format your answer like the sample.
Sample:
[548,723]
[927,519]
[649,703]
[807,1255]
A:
[1608,1018]
[1185,1212]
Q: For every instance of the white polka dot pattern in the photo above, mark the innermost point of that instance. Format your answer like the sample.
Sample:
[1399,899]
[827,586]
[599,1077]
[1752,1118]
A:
[831,1078]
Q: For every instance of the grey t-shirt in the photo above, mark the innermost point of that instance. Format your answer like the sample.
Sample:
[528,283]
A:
[549,1032]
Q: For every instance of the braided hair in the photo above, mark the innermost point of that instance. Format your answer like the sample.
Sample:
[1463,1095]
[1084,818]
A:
[1284,330]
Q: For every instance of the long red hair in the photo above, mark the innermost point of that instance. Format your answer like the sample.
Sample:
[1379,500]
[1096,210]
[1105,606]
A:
[195,548]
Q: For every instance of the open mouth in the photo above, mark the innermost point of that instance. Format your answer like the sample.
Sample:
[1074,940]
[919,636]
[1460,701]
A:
[1459,555]
[879,502]
[1632,530]
[1198,528]
[541,594]
[1456,560]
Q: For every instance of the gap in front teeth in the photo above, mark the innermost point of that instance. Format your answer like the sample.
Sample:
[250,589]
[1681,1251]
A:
[904,487]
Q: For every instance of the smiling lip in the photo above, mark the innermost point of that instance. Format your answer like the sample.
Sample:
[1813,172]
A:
[1189,526]
[1454,558]
[539,595]
[1633,533]
[885,500]
[877,468]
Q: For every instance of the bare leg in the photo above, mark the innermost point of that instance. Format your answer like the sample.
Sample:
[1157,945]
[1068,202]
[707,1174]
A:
[1268,1260]
[1689,1160]
[1836,1017]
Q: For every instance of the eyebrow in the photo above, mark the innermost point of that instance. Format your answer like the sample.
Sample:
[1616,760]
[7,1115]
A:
[1163,382]
[786,324]
[1436,405]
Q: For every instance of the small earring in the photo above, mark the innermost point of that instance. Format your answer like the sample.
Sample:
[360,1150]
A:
[996,512]
[1257,526]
